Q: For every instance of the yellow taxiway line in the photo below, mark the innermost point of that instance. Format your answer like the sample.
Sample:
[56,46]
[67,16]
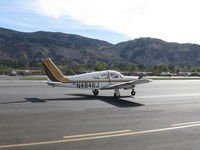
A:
[94,134]
[70,140]
[101,135]
[186,123]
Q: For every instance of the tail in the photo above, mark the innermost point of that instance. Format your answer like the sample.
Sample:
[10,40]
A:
[53,73]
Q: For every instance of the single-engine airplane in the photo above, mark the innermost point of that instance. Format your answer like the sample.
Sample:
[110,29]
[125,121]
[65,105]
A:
[95,81]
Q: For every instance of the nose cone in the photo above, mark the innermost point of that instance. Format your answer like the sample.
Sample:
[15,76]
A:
[131,78]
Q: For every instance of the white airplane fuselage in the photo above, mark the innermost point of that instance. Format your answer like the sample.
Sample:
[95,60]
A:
[94,80]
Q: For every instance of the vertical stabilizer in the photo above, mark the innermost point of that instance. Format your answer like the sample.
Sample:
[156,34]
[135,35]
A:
[53,73]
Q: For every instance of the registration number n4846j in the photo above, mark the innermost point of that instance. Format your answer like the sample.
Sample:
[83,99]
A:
[87,85]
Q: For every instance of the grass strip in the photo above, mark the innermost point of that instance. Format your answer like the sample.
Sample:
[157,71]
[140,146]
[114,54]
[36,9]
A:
[175,78]
[33,78]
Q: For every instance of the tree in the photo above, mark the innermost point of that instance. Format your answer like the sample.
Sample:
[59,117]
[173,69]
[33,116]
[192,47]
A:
[185,69]
[131,68]
[99,66]
[179,69]
[4,70]
[141,67]
[161,68]
[194,69]
[171,68]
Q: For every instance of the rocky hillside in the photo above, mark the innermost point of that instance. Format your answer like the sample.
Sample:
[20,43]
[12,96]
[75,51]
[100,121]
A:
[58,46]
[29,47]
[149,52]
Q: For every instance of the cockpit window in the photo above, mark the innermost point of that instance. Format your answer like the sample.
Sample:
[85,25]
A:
[104,76]
[97,77]
[114,75]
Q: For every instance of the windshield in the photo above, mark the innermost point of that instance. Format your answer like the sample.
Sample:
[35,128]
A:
[121,75]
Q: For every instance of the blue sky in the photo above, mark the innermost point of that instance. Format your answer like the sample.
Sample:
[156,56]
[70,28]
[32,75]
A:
[14,15]
[110,20]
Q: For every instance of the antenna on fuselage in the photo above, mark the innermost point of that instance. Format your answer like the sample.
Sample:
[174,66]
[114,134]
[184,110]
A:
[72,72]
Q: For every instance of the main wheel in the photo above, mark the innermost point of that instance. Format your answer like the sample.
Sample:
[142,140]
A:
[116,95]
[133,92]
[95,92]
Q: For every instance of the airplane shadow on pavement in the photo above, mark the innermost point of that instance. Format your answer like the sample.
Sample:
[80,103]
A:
[110,100]
[80,97]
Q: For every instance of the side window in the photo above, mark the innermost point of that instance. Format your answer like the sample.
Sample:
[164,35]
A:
[104,76]
[97,77]
[114,75]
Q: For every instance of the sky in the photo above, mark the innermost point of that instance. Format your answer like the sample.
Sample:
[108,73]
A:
[110,20]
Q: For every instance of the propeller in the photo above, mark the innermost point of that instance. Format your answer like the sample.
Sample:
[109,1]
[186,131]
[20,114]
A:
[141,76]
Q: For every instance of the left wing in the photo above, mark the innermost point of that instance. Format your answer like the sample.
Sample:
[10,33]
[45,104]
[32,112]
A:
[128,84]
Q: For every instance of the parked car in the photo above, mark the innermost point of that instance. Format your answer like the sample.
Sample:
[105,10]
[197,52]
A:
[165,74]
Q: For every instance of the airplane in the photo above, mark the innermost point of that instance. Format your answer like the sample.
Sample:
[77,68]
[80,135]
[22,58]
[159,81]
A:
[95,81]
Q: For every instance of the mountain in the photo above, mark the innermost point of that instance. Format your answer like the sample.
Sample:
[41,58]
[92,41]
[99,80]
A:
[75,49]
[59,46]
[149,52]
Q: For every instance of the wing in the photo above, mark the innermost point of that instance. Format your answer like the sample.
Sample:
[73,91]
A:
[126,85]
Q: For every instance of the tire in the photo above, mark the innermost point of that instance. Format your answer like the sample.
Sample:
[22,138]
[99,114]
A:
[116,96]
[133,92]
[95,92]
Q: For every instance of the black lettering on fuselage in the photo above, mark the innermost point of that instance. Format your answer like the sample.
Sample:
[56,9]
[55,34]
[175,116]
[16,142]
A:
[87,85]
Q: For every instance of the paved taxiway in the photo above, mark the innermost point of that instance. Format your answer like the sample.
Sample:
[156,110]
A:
[163,115]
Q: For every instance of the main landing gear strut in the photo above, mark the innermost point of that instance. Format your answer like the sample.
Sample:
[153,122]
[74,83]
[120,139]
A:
[117,93]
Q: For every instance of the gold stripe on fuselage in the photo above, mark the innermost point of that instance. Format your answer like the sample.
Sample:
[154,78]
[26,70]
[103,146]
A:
[82,81]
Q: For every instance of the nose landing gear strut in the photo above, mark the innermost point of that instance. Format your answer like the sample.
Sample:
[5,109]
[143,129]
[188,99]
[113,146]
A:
[117,93]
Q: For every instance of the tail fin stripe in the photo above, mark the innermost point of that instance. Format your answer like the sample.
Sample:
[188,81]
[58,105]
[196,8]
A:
[49,73]
[53,72]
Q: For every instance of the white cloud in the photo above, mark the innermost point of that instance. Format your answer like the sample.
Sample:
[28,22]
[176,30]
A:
[171,20]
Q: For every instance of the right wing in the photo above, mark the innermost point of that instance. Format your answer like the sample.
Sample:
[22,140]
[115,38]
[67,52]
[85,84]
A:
[128,84]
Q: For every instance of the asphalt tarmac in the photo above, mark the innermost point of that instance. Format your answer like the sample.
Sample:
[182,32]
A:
[163,115]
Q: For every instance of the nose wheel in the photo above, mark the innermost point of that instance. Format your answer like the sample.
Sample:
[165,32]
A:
[95,92]
[133,92]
